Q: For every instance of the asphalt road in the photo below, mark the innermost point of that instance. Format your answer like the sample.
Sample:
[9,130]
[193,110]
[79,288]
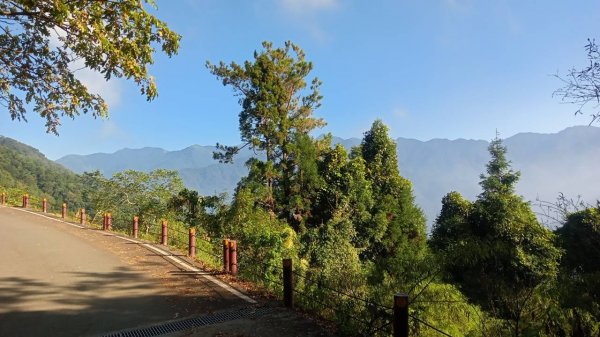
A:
[59,280]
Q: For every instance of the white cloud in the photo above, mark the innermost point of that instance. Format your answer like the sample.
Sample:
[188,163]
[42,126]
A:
[399,113]
[451,2]
[306,14]
[93,80]
[109,130]
[458,5]
[307,6]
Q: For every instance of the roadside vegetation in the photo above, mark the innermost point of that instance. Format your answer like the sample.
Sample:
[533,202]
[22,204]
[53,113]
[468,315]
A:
[348,220]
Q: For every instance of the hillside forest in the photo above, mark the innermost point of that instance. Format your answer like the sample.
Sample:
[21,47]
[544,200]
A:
[349,222]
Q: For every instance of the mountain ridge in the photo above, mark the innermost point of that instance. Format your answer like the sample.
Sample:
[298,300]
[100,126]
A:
[549,164]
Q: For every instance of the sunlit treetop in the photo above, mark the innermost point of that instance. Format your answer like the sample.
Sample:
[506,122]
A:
[41,40]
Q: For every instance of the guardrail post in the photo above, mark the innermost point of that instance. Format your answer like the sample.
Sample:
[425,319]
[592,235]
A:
[45,205]
[164,232]
[136,227]
[226,256]
[64,211]
[25,200]
[288,283]
[192,243]
[233,257]
[109,221]
[82,216]
[104,221]
[400,323]
[3,198]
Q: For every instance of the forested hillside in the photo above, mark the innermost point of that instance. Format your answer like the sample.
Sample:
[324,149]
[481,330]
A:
[24,168]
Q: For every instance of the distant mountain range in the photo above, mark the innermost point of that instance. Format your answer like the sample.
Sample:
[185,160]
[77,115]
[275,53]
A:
[567,162]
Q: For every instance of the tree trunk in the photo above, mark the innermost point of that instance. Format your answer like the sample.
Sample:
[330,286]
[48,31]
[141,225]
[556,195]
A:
[269,182]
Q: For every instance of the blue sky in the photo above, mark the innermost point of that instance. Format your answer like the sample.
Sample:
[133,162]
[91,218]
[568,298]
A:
[429,69]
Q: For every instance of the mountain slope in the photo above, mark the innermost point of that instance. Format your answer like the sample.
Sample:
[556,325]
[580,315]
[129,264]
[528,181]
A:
[25,168]
[549,163]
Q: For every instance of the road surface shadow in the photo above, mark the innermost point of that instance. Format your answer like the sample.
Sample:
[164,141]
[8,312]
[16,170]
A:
[85,303]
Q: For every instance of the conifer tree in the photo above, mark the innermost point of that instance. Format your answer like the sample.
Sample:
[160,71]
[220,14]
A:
[451,225]
[396,234]
[495,249]
[276,109]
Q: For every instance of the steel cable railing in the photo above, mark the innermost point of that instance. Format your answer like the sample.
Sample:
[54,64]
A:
[367,325]
[429,326]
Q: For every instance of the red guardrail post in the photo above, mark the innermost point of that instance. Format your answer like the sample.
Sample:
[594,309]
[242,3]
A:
[45,205]
[164,232]
[82,216]
[233,257]
[64,210]
[25,200]
[104,219]
[226,256]
[136,227]
[288,284]
[3,198]
[109,221]
[400,323]
[192,243]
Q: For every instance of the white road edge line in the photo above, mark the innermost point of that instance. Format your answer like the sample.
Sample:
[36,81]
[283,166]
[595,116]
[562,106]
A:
[178,261]
[184,265]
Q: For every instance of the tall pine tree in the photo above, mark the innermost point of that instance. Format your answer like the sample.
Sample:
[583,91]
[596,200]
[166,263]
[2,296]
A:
[277,107]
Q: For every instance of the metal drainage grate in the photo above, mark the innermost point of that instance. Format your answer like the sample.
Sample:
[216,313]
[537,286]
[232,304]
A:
[189,323]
